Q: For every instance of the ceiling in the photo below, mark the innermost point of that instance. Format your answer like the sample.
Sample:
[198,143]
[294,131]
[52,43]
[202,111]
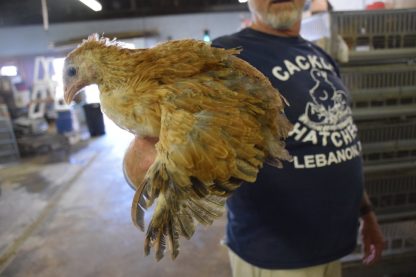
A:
[25,12]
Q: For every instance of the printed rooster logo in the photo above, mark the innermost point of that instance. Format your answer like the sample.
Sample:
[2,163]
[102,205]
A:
[329,106]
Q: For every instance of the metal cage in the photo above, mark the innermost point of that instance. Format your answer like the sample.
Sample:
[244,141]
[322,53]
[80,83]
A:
[365,78]
[381,90]
[388,142]
[400,238]
[374,30]
[393,193]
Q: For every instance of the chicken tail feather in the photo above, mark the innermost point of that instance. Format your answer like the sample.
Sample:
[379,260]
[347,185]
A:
[186,224]
[139,205]
[157,229]
[165,227]
[175,215]
[225,188]
[173,237]
[206,209]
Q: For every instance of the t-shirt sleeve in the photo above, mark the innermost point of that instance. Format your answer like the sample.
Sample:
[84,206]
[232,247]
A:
[226,42]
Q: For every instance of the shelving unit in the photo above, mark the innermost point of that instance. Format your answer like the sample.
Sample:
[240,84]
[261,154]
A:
[374,35]
[381,76]
[9,151]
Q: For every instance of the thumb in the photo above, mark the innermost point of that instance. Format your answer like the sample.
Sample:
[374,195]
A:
[369,254]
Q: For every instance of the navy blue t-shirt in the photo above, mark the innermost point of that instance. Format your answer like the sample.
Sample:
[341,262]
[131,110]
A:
[306,213]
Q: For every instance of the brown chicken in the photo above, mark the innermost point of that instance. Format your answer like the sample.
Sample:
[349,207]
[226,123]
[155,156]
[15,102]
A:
[217,118]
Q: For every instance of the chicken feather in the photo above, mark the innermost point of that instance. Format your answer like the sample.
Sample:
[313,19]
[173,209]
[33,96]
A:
[218,119]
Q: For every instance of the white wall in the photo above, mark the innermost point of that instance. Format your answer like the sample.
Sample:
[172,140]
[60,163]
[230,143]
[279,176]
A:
[33,39]
[348,5]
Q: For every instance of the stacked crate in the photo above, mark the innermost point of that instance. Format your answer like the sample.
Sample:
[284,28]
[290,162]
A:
[9,151]
[381,75]
[375,35]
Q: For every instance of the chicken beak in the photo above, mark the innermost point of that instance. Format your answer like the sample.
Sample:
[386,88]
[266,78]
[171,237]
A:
[71,90]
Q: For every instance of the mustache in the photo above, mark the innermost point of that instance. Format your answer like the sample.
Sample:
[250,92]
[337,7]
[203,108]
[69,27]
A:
[280,1]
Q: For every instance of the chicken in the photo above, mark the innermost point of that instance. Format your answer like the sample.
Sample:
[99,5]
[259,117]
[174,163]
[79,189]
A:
[217,120]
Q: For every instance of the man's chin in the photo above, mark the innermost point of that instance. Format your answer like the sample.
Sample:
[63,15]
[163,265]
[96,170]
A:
[283,20]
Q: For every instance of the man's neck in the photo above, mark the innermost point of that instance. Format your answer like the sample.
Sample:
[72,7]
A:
[294,31]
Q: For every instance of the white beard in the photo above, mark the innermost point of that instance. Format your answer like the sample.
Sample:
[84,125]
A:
[280,20]
[283,20]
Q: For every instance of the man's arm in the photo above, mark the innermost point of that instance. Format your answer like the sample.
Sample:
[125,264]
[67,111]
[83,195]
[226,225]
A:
[372,237]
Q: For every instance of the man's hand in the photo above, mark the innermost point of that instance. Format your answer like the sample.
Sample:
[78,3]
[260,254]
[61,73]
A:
[139,156]
[373,239]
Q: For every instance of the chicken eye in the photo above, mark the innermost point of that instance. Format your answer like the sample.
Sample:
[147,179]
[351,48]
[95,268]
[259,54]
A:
[71,71]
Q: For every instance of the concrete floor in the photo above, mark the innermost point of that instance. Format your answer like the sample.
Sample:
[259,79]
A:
[73,219]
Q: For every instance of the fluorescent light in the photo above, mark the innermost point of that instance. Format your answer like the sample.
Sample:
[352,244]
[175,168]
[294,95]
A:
[206,37]
[242,1]
[92,4]
[8,70]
